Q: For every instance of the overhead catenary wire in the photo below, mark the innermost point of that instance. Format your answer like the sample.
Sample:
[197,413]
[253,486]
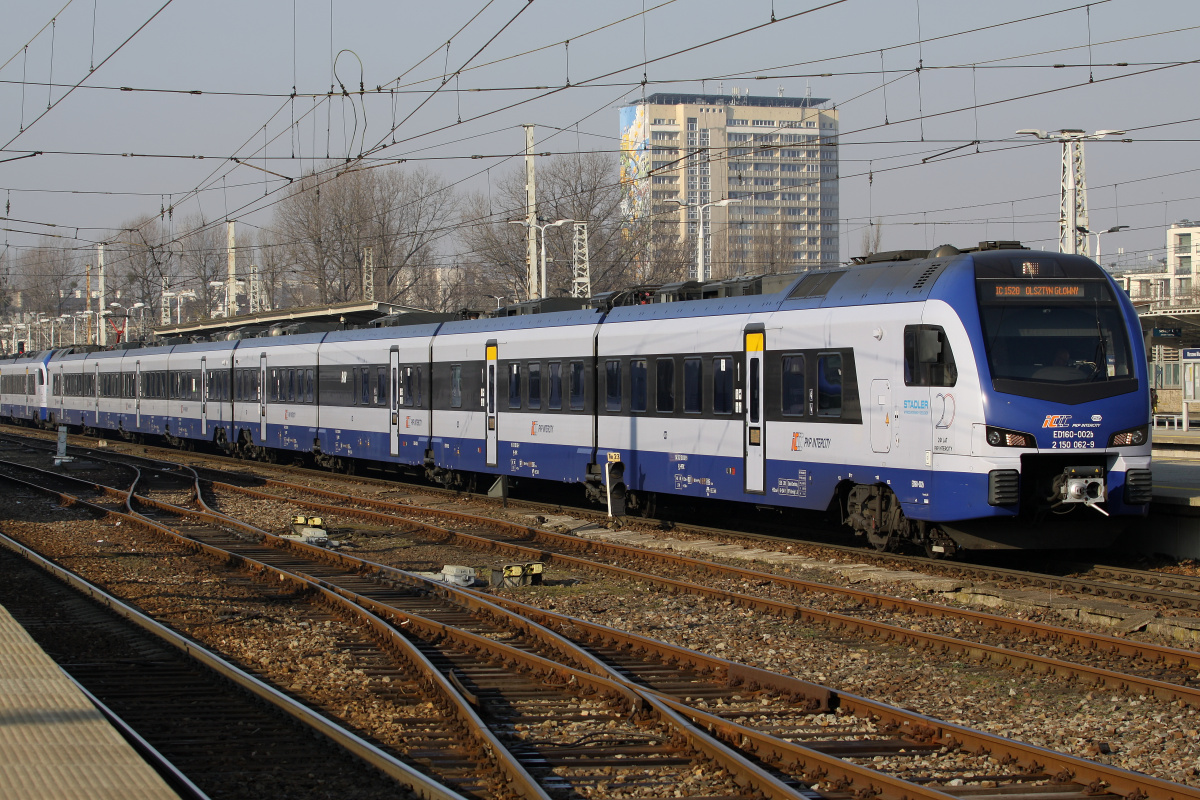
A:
[976,107]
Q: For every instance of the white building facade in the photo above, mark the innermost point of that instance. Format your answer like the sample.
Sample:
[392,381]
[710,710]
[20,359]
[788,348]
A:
[1172,284]
[776,156]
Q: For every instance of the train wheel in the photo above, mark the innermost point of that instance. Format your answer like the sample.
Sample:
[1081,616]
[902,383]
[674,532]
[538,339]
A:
[880,540]
[643,504]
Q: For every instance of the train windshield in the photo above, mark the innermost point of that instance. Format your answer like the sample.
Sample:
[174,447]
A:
[1063,341]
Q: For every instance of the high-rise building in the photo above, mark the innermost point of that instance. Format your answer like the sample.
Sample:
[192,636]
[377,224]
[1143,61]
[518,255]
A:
[775,156]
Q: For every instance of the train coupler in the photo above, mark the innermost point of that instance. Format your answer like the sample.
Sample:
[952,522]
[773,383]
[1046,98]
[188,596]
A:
[1080,485]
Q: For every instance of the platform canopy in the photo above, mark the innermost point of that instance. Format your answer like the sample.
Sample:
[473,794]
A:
[354,312]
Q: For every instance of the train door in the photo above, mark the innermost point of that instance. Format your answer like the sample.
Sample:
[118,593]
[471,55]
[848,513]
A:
[262,397]
[881,415]
[754,447]
[490,405]
[137,394]
[97,394]
[204,395]
[394,400]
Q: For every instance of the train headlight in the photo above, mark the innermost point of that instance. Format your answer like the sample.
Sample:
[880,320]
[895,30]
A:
[1000,437]
[1130,438]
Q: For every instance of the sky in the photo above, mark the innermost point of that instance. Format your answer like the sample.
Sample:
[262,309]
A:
[930,94]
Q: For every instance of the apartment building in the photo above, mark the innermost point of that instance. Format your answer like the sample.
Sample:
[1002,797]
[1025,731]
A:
[1171,284]
[775,157]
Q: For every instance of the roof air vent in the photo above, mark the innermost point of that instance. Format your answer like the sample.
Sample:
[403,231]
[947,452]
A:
[926,275]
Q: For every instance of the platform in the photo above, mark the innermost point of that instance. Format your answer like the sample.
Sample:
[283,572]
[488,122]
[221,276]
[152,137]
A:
[54,744]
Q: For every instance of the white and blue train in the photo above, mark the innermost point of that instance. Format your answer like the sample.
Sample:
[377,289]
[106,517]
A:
[989,398]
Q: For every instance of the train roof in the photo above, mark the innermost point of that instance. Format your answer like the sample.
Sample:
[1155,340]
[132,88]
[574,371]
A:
[388,332]
[554,319]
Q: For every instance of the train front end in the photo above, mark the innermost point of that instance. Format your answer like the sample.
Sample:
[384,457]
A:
[1064,440]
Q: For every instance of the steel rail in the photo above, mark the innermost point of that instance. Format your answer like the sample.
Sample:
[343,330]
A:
[424,786]
[752,775]
[472,725]
[1139,593]
[1060,768]
[918,725]
[1030,755]
[982,652]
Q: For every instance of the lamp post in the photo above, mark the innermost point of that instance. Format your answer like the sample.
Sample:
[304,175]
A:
[141,319]
[540,291]
[1072,139]
[700,277]
[1098,234]
[497,298]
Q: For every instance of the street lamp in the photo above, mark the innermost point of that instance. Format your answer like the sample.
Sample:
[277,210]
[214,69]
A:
[497,298]
[700,232]
[1098,234]
[540,291]
[141,309]
[1072,140]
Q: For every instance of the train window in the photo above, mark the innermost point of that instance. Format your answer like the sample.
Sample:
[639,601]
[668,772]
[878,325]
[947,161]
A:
[41,378]
[755,394]
[456,385]
[577,385]
[664,370]
[57,387]
[381,387]
[291,385]
[310,386]
[514,385]
[612,385]
[364,379]
[829,385]
[692,386]
[637,384]
[722,385]
[416,386]
[535,385]
[554,401]
[491,389]
[792,386]
[928,359]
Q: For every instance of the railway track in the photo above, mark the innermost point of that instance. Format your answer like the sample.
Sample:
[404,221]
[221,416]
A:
[1169,673]
[1120,583]
[858,729]
[580,734]
[214,730]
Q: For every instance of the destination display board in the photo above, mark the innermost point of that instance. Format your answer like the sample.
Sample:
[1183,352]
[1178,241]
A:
[1041,291]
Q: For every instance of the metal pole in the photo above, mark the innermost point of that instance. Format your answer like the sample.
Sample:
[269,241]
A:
[231,280]
[700,245]
[542,285]
[530,215]
[102,334]
[89,304]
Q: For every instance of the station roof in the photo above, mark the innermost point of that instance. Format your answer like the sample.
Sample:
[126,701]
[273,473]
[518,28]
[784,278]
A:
[354,312]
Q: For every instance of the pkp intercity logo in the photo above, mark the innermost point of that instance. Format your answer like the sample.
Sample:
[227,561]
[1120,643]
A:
[1056,420]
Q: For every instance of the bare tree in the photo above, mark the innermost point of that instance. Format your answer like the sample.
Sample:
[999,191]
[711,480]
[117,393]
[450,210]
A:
[137,259]
[47,276]
[324,224]
[872,235]
[576,187]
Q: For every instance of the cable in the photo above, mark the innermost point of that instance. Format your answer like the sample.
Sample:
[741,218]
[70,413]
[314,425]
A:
[77,85]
